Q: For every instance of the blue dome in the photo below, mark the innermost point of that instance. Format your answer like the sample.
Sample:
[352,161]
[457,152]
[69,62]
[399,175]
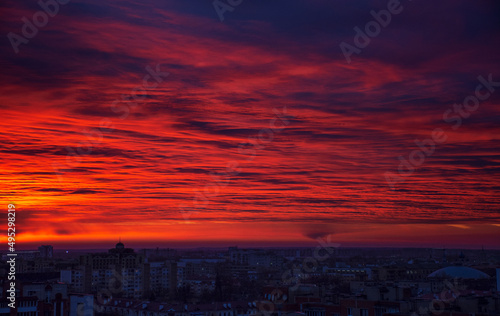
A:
[459,272]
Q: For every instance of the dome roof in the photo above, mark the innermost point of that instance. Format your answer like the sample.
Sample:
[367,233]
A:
[459,272]
[120,246]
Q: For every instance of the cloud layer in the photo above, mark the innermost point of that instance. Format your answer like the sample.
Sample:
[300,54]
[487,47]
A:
[322,174]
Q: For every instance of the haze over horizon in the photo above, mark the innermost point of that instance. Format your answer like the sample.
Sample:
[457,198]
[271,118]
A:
[261,133]
[105,246]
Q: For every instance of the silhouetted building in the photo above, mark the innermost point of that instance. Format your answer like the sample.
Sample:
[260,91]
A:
[46,251]
[121,268]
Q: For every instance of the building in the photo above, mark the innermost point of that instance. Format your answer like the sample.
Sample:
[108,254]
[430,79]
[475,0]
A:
[126,271]
[163,277]
[75,278]
[146,308]
[459,272]
[498,279]
[46,251]
[255,257]
[26,306]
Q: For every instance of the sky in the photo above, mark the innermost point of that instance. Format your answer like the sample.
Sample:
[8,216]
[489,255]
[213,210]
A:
[262,123]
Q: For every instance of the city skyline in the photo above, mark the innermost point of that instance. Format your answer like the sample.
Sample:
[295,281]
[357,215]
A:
[314,281]
[267,124]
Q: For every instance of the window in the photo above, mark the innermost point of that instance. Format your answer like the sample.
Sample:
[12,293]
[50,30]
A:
[363,312]
[349,311]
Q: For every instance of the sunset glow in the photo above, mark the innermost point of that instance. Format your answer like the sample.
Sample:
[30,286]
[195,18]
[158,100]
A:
[261,133]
